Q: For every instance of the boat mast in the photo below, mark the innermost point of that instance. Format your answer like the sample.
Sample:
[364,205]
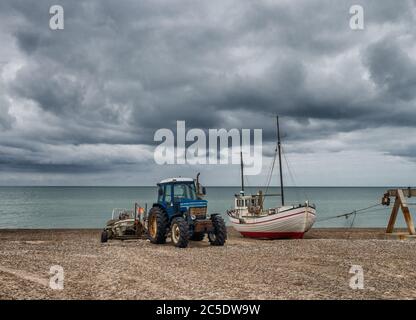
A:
[242,171]
[280,161]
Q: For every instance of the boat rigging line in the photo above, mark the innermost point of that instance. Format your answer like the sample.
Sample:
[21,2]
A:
[277,152]
[292,177]
[279,149]
[354,213]
[270,174]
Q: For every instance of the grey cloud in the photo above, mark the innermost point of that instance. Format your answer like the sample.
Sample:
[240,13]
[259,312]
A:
[408,152]
[392,69]
[51,90]
[121,70]
[28,41]
[6,120]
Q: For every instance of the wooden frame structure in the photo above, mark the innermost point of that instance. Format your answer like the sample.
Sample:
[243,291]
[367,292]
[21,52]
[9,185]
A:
[400,202]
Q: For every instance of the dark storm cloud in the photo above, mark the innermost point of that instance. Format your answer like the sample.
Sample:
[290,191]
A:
[28,166]
[57,92]
[28,41]
[122,69]
[392,69]
[408,152]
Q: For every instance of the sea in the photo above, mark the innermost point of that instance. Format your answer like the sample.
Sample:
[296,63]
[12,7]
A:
[91,207]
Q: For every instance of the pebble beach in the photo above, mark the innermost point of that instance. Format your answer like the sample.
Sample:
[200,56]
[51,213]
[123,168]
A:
[317,267]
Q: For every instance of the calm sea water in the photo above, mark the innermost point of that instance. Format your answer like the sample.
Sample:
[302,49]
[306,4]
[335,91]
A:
[90,207]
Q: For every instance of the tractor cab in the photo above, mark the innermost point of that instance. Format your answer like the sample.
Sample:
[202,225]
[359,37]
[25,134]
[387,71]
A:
[179,196]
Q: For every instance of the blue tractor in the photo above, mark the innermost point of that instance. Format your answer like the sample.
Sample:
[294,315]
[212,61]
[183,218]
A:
[181,212]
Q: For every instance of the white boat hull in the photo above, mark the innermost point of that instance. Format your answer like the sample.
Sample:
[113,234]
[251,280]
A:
[291,223]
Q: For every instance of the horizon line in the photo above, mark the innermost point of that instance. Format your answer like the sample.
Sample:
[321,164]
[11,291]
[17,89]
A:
[208,186]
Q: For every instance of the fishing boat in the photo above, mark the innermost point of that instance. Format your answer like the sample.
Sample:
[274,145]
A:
[251,219]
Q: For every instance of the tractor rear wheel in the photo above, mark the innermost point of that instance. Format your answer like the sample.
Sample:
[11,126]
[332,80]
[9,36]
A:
[218,237]
[157,225]
[180,232]
[198,236]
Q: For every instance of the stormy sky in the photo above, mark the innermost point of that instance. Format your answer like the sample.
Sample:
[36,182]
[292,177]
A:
[80,106]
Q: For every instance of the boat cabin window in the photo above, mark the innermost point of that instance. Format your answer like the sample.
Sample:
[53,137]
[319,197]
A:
[241,203]
[251,202]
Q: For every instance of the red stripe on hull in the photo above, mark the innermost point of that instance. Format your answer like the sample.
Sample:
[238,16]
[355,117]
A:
[278,218]
[273,235]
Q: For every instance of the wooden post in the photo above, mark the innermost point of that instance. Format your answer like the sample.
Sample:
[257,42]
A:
[406,213]
[393,216]
[400,202]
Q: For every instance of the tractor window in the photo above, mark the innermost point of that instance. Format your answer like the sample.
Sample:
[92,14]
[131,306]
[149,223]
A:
[168,197]
[184,191]
[160,194]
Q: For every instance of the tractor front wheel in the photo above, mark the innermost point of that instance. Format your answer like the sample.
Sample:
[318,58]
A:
[157,225]
[218,237]
[180,232]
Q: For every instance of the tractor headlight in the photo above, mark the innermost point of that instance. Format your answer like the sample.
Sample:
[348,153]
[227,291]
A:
[193,217]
